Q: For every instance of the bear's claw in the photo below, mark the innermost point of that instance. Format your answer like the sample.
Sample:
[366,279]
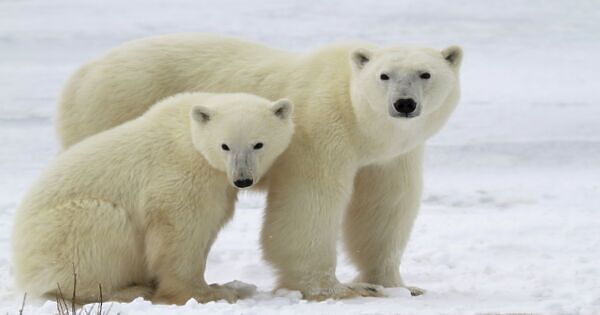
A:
[414,291]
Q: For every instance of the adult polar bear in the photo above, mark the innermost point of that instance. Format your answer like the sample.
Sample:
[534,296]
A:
[362,117]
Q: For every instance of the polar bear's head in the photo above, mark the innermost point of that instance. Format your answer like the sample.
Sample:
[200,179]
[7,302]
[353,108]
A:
[241,134]
[405,82]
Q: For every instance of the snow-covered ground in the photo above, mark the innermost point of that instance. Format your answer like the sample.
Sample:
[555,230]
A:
[511,214]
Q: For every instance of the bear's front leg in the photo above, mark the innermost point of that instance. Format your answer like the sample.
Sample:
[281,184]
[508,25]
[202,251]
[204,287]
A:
[304,205]
[177,245]
[380,217]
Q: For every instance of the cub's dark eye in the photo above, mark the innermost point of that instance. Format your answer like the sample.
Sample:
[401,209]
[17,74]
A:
[425,75]
[258,146]
[384,77]
[224,147]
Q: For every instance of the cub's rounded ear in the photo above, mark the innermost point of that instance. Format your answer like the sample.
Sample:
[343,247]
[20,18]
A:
[201,114]
[283,108]
[454,55]
[359,57]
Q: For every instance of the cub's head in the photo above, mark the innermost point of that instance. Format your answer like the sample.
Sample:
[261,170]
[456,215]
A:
[405,82]
[241,134]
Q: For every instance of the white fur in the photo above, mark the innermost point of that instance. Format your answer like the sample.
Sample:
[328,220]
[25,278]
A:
[137,208]
[348,153]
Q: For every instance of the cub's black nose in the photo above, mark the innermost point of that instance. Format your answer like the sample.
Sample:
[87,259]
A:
[405,105]
[243,183]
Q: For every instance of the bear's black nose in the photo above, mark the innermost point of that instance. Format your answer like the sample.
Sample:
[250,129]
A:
[405,105]
[243,183]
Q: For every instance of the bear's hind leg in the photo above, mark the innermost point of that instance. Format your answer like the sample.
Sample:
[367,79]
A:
[131,293]
[82,244]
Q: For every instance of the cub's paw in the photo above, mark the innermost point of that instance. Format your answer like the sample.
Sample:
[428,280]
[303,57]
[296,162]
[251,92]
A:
[242,289]
[216,292]
[201,295]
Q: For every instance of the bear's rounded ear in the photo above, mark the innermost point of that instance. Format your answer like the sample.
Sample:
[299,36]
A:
[359,57]
[201,114]
[283,108]
[453,55]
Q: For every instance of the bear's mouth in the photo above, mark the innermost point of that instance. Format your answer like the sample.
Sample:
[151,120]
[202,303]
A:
[407,116]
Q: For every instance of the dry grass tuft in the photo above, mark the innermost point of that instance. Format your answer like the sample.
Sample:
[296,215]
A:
[63,307]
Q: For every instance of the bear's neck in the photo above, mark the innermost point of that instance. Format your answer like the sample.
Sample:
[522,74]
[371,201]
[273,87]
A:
[176,124]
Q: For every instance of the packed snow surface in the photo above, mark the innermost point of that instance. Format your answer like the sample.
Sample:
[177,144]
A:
[510,220]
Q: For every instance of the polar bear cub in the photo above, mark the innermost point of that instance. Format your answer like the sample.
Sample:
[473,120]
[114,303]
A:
[136,208]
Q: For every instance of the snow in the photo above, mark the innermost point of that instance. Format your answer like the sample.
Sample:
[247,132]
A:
[510,220]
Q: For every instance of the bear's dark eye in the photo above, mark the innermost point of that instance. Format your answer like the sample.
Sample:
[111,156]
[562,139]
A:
[224,147]
[384,77]
[258,146]
[425,75]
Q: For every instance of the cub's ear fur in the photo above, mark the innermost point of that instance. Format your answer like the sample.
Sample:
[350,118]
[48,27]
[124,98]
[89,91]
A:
[283,108]
[201,114]
[359,57]
[453,55]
